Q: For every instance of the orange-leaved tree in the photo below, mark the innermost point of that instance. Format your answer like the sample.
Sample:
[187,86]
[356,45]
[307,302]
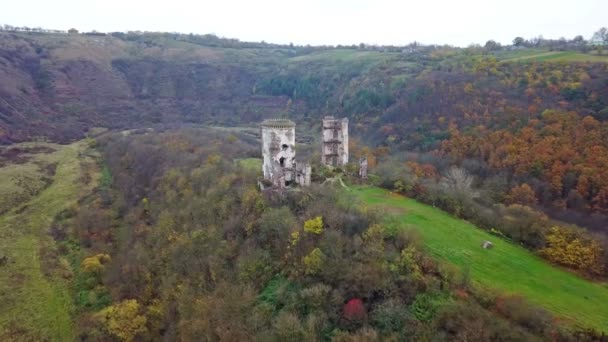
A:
[522,194]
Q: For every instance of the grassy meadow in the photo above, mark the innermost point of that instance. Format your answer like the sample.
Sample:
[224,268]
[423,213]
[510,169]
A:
[253,164]
[540,55]
[506,267]
[34,294]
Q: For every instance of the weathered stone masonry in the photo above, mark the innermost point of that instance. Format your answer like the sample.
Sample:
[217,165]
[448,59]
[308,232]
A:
[334,141]
[278,150]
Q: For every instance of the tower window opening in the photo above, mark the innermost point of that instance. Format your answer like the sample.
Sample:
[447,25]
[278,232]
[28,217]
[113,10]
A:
[284,146]
[282,161]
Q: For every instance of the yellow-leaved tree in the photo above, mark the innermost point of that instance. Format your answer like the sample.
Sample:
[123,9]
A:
[123,320]
[313,261]
[567,247]
[95,263]
[314,226]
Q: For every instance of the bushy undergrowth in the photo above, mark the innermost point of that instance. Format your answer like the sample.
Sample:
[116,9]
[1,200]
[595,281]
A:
[196,252]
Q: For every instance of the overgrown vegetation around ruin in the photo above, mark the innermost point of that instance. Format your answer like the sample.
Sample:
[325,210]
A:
[182,245]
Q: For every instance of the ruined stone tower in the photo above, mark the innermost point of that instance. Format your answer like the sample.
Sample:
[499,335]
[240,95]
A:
[334,141]
[278,150]
[363,167]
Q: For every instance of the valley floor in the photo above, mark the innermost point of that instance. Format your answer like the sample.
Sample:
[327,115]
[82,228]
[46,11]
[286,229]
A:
[34,281]
[506,267]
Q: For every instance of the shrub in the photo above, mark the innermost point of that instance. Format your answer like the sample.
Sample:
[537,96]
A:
[363,335]
[287,327]
[313,261]
[95,264]
[390,316]
[516,309]
[315,297]
[255,267]
[425,306]
[123,320]
[354,310]
[314,226]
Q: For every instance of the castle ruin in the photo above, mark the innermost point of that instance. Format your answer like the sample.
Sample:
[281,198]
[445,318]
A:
[334,141]
[363,167]
[278,150]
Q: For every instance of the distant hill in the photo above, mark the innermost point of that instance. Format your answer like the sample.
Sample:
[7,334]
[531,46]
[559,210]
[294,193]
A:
[59,85]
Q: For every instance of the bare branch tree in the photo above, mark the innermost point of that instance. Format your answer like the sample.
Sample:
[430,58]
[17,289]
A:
[458,180]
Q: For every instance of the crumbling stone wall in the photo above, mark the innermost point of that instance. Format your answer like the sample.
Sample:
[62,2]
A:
[334,141]
[303,172]
[363,168]
[278,150]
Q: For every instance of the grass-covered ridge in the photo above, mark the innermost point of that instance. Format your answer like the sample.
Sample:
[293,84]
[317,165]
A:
[542,55]
[506,267]
[34,295]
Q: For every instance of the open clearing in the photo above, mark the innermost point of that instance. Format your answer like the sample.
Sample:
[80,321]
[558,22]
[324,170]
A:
[346,55]
[34,295]
[253,164]
[507,267]
[537,55]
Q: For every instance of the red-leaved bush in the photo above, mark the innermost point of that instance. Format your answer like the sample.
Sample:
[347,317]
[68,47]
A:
[354,310]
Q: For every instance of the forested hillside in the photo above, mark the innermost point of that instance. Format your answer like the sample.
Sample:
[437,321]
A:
[179,244]
[529,120]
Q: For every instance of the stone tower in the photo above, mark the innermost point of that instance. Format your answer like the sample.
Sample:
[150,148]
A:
[334,141]
[278,150]
[363,167]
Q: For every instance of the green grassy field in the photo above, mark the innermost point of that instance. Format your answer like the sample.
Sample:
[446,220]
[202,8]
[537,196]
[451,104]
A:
[507,267]
[513,54]
[537,55]
[254,164]
[34,295]
[345,55]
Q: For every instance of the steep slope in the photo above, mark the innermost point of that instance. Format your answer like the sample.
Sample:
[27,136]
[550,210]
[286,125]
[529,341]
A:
[506,267]
[59,86]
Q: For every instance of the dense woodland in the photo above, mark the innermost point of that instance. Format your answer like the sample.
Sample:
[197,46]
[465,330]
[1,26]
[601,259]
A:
[179,244]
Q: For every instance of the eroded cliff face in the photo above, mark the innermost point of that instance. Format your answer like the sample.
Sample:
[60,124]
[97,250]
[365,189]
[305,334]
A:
[60,86]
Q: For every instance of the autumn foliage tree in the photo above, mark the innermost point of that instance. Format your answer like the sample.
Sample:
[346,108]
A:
[567,247]
[123,320]
[522,194]
[354,310]
[314,225]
